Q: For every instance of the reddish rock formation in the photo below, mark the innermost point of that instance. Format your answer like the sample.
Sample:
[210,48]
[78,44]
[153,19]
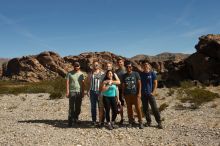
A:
[204,65]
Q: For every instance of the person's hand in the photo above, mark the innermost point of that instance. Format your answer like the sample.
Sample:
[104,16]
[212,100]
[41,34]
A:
[153,93]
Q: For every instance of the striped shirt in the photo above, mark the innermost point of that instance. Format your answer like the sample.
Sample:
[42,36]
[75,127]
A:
[96,79]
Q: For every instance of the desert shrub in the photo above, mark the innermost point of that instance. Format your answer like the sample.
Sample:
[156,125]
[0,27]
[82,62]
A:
[163,107]
[56,95]
[50,86]
[197,96]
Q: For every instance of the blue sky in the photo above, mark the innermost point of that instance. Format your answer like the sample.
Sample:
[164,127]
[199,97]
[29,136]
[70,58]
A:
[124,27]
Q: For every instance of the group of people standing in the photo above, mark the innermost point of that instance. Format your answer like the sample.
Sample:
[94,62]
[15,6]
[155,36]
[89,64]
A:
[109,91]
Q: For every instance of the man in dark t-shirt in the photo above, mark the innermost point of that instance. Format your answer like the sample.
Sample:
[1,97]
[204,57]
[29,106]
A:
[131,90]
[149,85]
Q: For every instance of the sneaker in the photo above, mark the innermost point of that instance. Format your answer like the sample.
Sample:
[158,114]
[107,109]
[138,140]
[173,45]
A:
[141,126]
[148,124]
[109,126]
[159,126]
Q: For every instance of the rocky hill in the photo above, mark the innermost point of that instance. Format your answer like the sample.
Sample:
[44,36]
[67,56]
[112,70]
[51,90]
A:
[202,65]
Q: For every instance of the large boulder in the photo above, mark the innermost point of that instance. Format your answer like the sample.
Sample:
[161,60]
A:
[209,45]
[204,65]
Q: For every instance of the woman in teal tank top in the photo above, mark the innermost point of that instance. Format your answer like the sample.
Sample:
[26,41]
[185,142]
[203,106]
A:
[110,98]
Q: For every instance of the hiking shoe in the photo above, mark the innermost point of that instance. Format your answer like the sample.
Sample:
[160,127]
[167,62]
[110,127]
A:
[141,126]
[159,126]
[109,126]
[148,124]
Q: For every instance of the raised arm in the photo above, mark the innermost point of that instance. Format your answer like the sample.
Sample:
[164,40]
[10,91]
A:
[117,81]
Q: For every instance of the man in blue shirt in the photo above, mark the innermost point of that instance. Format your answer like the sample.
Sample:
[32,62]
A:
[149,86]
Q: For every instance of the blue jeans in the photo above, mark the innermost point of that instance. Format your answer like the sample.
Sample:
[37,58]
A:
[146,100]
[94,101]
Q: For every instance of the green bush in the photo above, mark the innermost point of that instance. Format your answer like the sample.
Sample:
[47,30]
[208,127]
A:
[55,87]
[197,96]
[56,95]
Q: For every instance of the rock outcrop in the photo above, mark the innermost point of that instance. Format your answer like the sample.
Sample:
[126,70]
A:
[204,65]
[46,65]
[49,65]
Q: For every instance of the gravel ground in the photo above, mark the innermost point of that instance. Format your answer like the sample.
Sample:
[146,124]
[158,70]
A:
[33,119]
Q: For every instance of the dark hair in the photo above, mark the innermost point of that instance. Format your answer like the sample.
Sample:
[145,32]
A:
[128,63]
[144,61]
[106,77]
[119,59]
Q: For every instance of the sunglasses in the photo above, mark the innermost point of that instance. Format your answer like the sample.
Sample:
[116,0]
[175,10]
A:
[76,66]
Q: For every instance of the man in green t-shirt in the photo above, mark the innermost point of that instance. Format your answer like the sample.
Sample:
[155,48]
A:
[75,92]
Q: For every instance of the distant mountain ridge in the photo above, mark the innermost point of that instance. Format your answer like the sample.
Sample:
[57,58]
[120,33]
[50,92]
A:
[161,57]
